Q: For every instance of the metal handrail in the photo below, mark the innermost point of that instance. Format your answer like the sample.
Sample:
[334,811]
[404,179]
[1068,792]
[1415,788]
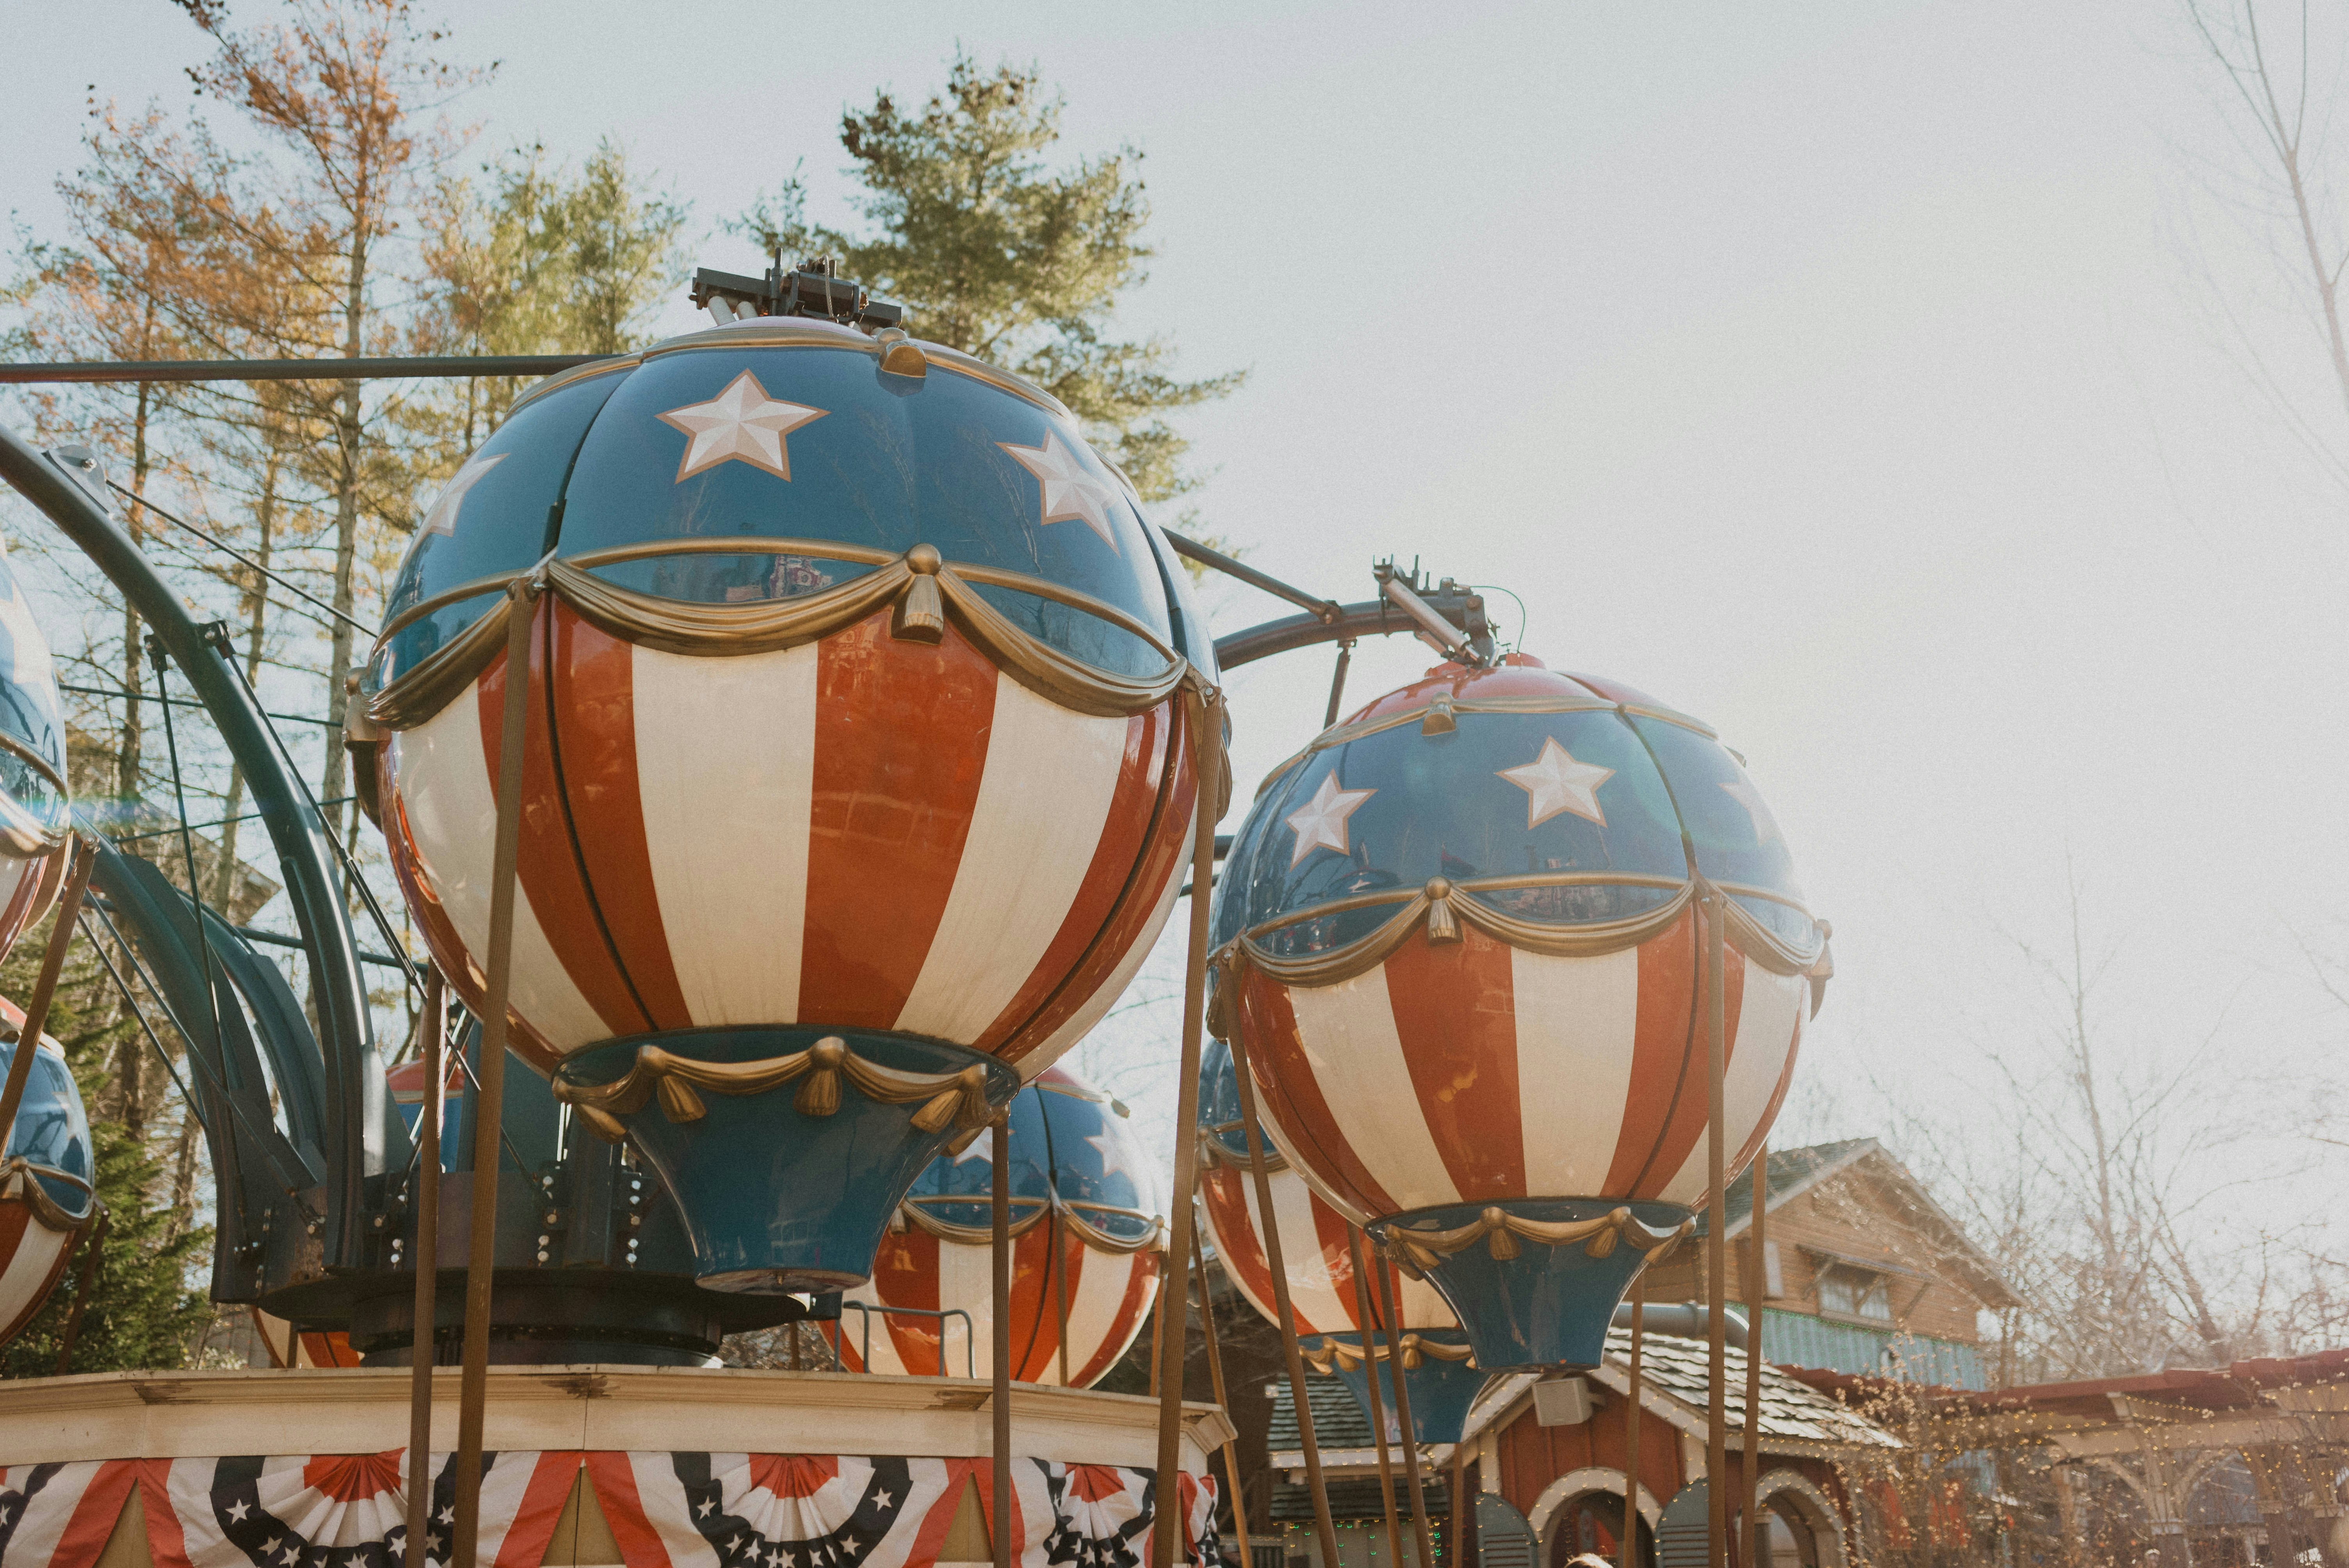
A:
[865,1310]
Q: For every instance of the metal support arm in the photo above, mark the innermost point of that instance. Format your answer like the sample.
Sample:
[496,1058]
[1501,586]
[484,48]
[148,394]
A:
[354,1080]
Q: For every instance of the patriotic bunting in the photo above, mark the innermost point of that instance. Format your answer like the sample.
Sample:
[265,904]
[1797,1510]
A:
[341,1510]
[689,1510]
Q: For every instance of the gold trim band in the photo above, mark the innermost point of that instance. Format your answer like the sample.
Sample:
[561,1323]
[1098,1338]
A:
[18,1181]
[1332,1354]
[955,1099]
[1070,1215]
[1416,1251]
[926,593]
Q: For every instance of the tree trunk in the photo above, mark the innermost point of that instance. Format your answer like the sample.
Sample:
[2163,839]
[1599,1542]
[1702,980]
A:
[257,612]
[346,507]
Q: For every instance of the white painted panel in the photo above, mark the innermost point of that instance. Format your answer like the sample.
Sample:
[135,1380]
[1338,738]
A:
[1348,1037]
[726,764]
[444,781]
[1577,1020]
[1096,1006]
[1043,800]
[28,1267]
[1094,1305]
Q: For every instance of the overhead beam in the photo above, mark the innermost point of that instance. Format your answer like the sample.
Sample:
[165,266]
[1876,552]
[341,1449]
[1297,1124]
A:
[360,369]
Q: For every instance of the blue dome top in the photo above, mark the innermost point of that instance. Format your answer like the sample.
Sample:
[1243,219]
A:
[1068,1139]
[52,1132]
[787,428]
[1561,800]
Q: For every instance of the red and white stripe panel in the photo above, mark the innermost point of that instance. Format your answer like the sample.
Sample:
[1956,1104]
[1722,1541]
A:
[1108,1295]
[1313,1252]
[62,1515]
[1472,1072]
[311,1348]
[861,832]
[32,1260]
[28,888]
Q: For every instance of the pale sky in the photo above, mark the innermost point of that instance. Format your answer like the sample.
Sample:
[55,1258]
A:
[1852,376]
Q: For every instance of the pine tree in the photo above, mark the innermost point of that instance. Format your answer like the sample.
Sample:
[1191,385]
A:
[997,254]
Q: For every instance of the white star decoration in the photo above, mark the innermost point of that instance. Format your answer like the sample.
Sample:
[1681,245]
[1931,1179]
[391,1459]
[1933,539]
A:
[979,1148]
[1321,822]
[1070,490]
[239,1511]
[1765,826]
[740,424]
[443,518]
[1556,782]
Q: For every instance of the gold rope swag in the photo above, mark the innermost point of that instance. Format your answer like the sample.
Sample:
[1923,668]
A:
[1415,1251]
[19,1183]
[948,1098]
[1416,1352]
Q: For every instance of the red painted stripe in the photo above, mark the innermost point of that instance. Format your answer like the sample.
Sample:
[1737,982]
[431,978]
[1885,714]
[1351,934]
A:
[167,1542]
[1125,831]
[595,740]
[330,1349]
[1455,1013]
[1288,1095]
[1661,1038]
[901,733]
[548,866]
[931,1538]
[15,1221]
[525,1542]
[1684,1127]
[1163,848]
[614,1481]
[1223,1190]
[1035,1319]
[96,1512]
[1143,1272]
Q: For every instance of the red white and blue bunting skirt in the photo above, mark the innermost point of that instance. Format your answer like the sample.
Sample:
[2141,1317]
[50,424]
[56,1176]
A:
[665,1510]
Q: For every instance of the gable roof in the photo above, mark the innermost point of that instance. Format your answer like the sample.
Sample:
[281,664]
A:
[1796,1171]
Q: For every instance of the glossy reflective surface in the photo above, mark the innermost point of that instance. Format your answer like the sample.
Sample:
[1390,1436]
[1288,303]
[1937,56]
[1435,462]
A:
[1548,1306]
[776,1200]
[1440,1391]
[51,1130]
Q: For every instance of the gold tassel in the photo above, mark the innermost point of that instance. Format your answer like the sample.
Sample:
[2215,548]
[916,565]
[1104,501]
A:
[602,1123]
[1412,1358]
[1602,1243]
[1441,926]
[921,613]
[679,1102]
[820,1095]
[938,1112]
[1439,719]
[1498,1239]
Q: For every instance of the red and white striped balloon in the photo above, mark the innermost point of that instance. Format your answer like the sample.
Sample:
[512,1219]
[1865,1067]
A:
[308,1348]
[1109,1298]
[1313,1253]
[864,832]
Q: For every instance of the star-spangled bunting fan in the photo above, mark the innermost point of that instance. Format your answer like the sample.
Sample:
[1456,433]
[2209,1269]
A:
[341,1510]
[59,1515]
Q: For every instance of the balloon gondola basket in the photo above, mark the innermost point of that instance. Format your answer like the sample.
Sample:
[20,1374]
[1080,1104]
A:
[1438,1363]
[787,1149]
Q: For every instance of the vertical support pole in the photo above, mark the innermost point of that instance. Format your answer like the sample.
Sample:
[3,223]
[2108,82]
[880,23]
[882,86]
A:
[44,989]
[1716,1246]
[1337,682]
[1060,1285]
[1205,712]
[1223,1403]
[1000,1398]
[1368,1320]
[1459,1542]
[1380,1272]
[1630,1556]
[431,1032]
[489,1102]
[94,1247]
[1323,1527]
[1758,1530]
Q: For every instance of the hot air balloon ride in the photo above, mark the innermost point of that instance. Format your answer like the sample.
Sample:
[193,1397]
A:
[47,1175]
[856,772]
[1433,1352]
[1459,937]
[1088,1239]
